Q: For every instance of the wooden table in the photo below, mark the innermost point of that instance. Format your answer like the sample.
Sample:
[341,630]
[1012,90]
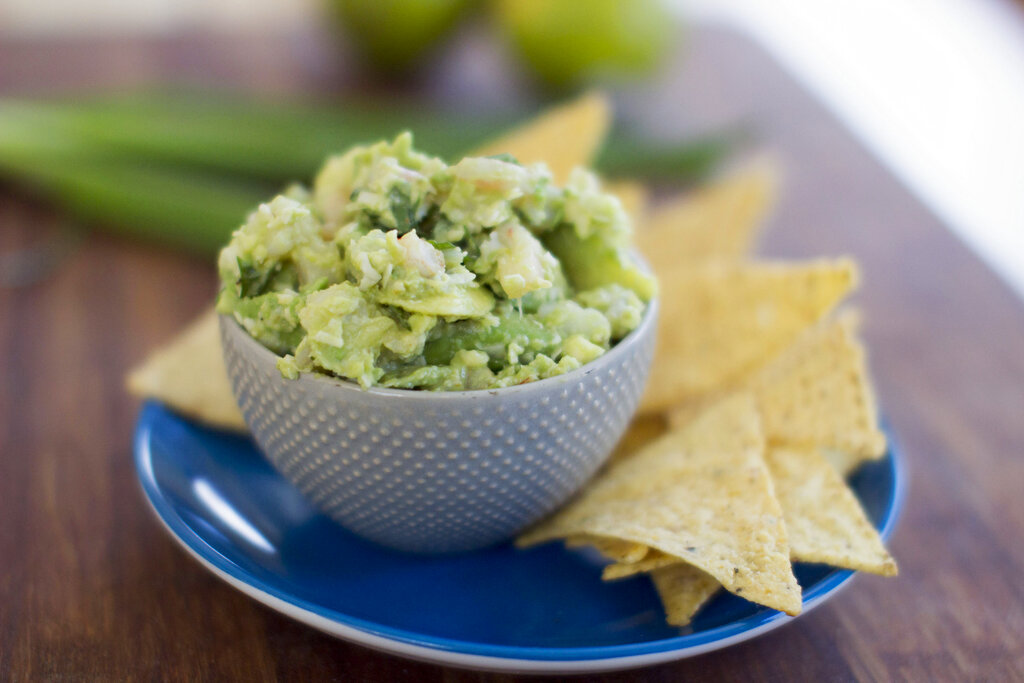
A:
[91,588]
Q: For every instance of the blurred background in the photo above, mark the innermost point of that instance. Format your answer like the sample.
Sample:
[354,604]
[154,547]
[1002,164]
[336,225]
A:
[935,89]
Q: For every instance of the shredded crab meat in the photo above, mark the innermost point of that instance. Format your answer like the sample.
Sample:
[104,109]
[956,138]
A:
[421,255]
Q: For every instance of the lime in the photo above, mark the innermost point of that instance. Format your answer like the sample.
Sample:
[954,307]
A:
[567,42]
[393,34]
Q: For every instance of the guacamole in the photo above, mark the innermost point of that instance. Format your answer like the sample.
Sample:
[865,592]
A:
[397,269]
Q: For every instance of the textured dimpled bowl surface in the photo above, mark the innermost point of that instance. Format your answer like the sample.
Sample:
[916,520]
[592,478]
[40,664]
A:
[438,472]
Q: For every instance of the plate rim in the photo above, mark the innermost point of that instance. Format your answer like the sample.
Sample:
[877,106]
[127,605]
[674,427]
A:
[467,654]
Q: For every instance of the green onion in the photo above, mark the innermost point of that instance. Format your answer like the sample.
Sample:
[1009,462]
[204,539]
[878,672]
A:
[186,209]
[186,169]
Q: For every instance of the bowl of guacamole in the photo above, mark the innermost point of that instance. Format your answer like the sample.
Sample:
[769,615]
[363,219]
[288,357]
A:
[436,353]
[399,270]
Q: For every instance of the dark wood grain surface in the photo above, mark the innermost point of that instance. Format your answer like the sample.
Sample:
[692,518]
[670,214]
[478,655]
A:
[92,589]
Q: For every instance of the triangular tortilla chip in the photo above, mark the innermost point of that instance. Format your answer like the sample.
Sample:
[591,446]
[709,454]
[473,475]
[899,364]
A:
[642,430]
[843,462]
[818,393]
[719,220]
[703,494]
[563,137]
[720,322]
[613,548]
[683,590]
[188,374]
[649,562]
[815,393]
[824,521]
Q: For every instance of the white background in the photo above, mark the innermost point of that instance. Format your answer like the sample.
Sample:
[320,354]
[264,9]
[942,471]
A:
[934,87]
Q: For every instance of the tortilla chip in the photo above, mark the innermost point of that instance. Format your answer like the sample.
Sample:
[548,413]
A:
[642,430]
[815,393]
[563,137]
[634,197]
[651,561]
[719,220]
[719,322]
[683,590]
[188,374]
[613,548]
[703,494]
[843,463]
[818,393]
[685,413]
[824,520]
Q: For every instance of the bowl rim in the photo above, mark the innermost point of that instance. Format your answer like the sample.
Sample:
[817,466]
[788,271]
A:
[626,344]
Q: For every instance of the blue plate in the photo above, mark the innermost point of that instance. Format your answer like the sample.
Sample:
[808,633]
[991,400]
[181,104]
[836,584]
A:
[543,610]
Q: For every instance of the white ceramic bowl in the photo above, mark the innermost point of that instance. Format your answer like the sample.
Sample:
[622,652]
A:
[435,472]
